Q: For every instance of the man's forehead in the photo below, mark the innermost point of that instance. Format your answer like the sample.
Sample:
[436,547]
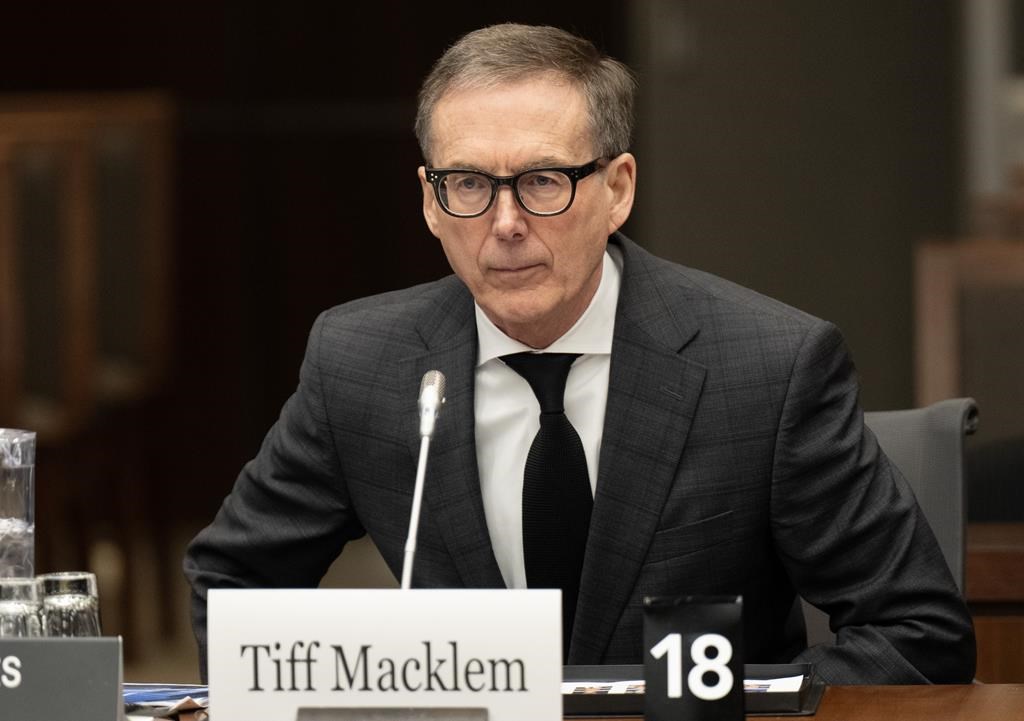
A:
[530,81]
[511,127]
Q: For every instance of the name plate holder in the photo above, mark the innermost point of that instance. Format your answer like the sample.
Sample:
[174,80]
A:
[385,655]
[42,679]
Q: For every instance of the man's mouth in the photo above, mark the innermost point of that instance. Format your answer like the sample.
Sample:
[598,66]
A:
[517,269]
[515,276]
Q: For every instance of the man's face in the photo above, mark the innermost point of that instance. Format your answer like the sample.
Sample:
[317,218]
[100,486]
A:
[532,276]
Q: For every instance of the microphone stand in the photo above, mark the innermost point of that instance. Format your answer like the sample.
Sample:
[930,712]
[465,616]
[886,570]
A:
[414,517]
[430,401]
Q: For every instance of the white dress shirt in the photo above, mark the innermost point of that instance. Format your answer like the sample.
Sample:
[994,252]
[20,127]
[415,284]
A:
[508,414]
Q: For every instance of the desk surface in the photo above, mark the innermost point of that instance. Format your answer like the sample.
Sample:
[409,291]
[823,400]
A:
[996,702]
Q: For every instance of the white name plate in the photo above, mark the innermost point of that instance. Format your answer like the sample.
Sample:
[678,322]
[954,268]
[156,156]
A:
[280,655]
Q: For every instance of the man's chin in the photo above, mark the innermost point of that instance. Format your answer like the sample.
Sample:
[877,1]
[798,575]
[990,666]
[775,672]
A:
[519,308]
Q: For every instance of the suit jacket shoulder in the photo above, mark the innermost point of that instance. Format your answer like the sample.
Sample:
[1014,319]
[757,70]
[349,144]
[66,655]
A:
[704,296]
[729,330]
[418,317]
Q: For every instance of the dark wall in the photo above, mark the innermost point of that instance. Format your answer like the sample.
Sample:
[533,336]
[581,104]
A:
[802,148]
[296,186]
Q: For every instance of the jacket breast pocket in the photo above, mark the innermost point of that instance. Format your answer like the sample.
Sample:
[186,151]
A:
[702,534]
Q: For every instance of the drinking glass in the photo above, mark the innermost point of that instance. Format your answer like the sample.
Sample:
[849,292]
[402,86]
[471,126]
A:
[17,504]
[20,611]
[71,605]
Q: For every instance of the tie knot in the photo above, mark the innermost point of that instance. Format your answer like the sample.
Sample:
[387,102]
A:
[546,373]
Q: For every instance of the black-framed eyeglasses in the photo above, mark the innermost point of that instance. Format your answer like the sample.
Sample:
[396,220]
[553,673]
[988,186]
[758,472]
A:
[539,191]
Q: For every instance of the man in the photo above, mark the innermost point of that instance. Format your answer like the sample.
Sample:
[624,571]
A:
[718,430]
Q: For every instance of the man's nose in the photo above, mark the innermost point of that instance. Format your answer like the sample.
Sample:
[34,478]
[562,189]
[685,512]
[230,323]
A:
[509,218]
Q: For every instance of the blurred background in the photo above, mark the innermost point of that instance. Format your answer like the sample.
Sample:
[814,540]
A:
[184,186]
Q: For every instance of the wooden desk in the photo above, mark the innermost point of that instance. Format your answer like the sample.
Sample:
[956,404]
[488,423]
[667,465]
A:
[995,594]
[913,703]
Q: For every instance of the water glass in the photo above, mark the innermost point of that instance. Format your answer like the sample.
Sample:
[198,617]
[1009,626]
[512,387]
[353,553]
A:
[71,605]
[17,503]
[20,610]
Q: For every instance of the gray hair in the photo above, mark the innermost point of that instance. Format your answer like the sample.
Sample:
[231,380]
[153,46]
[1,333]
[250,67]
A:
[510,53]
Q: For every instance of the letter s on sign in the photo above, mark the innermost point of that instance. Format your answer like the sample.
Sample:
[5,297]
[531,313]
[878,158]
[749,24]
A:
[11,672]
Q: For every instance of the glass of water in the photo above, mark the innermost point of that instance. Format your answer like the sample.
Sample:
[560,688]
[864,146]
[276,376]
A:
[17,503]
[71,605]
[20,611]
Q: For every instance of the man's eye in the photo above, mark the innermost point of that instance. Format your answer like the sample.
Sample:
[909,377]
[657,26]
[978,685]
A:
[543,181]
[467,183]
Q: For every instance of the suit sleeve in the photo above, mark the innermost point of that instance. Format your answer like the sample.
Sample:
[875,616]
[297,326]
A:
[288,515]
[853,539]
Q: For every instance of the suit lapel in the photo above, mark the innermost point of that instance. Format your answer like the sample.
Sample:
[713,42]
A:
[451,494]
[652,395]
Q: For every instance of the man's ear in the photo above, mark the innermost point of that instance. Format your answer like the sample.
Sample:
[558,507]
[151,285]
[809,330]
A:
[430,209]
[620,178]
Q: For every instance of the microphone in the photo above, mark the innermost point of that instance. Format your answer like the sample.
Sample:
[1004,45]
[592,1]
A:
[430,402]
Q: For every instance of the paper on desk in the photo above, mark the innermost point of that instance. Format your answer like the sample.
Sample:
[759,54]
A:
[165,701]
[788,684]
[602,687]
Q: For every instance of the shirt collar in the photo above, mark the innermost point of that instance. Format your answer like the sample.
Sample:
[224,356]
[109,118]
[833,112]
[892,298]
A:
[591,333]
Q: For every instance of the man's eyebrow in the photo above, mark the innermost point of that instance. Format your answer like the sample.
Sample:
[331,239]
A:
[548,161]
[460,165]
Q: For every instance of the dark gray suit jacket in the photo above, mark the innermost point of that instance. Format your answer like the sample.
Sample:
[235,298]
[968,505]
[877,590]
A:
[734,461]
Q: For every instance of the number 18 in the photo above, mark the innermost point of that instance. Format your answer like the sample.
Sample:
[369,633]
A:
[672,645]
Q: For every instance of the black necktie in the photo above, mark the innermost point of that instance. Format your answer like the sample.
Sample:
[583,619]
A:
[557,499]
